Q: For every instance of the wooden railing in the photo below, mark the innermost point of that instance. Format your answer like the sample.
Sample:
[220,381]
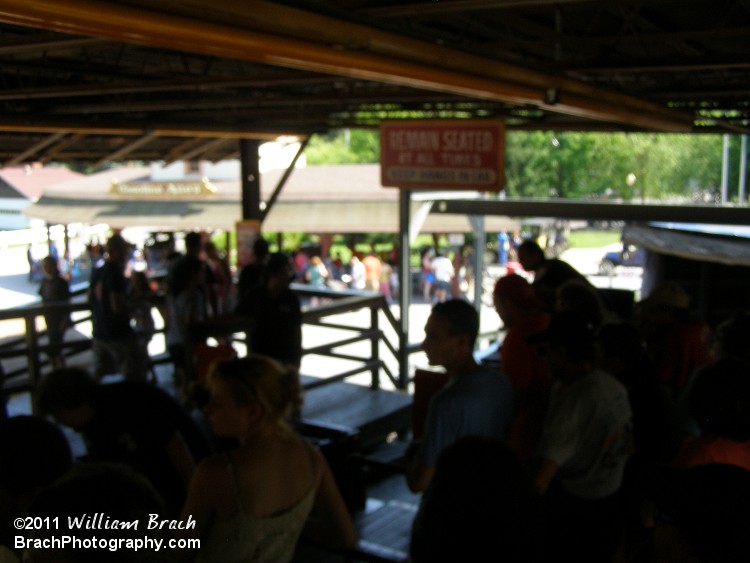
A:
[27,346]
[382,345]
[25,355]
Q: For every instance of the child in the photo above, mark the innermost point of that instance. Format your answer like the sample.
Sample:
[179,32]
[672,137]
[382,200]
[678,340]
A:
[140,310]
[54,288]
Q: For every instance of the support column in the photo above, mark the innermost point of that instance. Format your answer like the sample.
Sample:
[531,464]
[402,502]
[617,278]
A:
[743,171]
[49,239]
[405,289]
[477,226]
[228,247]
[725,171]
[250,175]
[326,240]
[66,245]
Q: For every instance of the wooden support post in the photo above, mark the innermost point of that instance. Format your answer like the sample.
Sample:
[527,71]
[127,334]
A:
[374,347]
[32,353]
[405,289]
[250,171]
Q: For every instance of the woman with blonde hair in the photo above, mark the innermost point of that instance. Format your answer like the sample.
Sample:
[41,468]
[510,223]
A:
[254,502]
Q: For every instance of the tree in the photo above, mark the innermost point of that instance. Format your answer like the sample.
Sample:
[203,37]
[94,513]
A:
[348,146]
[584,165]
[544,164]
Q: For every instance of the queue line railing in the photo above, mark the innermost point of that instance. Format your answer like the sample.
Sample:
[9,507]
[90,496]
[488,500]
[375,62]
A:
[381,330]
[25,355]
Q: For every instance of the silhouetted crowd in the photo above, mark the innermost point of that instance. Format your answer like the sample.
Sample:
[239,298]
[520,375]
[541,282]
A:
[600,434]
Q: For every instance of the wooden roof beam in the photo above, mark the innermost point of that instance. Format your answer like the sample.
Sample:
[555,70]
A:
[204,148]
[34,149]
[179,152]
[55,150]
[675,66]
[228,154]
[154,87]
[456,6]
[56,127]
[45,42]
[248,102]
[123,151]
[433,67]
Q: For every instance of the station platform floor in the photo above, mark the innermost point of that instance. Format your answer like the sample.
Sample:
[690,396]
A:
[384,513]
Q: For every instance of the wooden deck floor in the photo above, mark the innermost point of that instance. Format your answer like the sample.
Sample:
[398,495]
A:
[384,526]
[367,417]
[370,418]
[372,414]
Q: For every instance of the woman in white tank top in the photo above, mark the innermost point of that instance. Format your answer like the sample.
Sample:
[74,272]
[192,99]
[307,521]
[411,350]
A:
[253,503]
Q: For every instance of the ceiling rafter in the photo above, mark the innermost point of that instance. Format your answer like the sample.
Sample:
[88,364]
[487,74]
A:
[34,149]
[54,151]
[456,6]
[198,85]
[282,100]
[39,126]
[667,66]
[126,150]
[177,152]
[203,148]
[161,30]
[45,42]
[263,68]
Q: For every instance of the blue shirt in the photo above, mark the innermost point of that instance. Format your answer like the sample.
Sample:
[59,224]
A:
[477,403]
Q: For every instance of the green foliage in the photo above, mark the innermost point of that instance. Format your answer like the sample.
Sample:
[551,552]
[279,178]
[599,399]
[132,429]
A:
[219,238]
[593,239]
[596,165]
[349,146]
[544,164]
[292,241]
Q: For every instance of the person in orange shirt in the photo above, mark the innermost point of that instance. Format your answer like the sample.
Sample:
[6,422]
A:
[373,270]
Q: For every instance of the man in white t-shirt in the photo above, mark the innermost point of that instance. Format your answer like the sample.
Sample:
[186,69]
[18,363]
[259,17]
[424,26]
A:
[586,441]
[442,268]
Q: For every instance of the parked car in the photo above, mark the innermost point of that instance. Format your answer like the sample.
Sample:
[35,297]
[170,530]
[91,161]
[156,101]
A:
[630,257]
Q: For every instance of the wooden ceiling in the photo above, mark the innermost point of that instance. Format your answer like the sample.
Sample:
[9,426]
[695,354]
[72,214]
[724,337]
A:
[106,81]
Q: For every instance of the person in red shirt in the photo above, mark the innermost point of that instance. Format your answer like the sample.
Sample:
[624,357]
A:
[521,313]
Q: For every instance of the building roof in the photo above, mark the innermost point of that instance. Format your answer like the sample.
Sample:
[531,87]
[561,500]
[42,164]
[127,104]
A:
[29,181]
[316,199]
[721,245]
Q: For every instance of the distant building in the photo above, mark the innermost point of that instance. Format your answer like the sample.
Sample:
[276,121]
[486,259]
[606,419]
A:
[347,198]
[21,185]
